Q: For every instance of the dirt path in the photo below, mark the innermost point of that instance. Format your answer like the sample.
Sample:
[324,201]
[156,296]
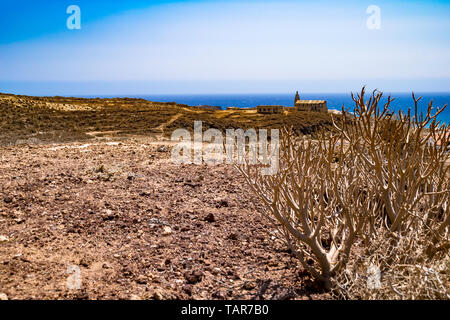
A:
[163,126]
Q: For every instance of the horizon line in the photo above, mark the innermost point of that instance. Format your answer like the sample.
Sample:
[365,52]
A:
[133,95]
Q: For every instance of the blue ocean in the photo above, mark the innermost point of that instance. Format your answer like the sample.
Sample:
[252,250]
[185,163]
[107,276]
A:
[402,101]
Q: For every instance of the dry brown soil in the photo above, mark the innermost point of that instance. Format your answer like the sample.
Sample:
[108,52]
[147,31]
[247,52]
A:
[115,206]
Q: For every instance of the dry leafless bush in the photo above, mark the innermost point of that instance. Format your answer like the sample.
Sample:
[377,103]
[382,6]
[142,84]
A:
[379,185]
[395,267]
[315,200]
[406,161]
[401,160]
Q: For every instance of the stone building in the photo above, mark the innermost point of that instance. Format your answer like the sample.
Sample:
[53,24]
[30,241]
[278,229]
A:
[310,105]
[270,109]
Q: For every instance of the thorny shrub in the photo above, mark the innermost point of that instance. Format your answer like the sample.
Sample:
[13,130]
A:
[365,208]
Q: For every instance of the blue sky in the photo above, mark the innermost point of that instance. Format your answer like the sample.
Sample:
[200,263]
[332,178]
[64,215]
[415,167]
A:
[151,47]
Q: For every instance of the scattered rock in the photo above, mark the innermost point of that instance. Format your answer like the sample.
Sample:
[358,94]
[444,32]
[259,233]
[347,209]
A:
[109,215]
[221,203]
[157,295]
[166,230]
[163,149]
[210,217]
[248,285]
[215,271]
[160,268]
[7,199]
[3,296]
[100,169]
[188,289]
[142,279]
[219,294]
[83,295]
[85,262]
[19,220]
[233,236]
[285,294]
[20,257]
[193,277]
[192,184]
[235,275]
[127,272]
[153,222]
[148,209]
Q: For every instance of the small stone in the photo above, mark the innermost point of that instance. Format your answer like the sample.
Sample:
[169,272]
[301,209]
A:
[188,289]
[109,215]
[233,236]
[7,199]
[210,217]
[215,271]
[157,295]
[82,296]
[193,277]
[220,294]
[3,296]
[167,230]
[160,268]
[162,149]
[126,272]
[142,279]
[135,297]
[249,285]
[222,203]
[4,239]
[84,262]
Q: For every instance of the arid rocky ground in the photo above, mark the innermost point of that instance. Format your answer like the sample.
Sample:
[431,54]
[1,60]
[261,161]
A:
[137,225]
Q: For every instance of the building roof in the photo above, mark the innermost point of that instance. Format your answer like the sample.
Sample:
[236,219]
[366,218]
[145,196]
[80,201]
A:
[310,101]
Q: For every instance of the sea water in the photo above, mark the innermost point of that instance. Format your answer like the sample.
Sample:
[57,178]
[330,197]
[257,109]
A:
[336,101]
[402,101]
